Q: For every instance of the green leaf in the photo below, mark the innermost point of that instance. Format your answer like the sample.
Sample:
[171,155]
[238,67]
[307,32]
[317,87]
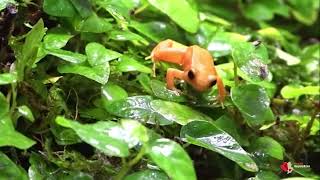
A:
[303,121]
[176,10]
[207,135]
[8,78]
[268,146]
[83,7]
[172,159]
[159,90]
[156,30]
[295,91]
[113,92]
[106,136]
[93,24]
[128,64]
[10,137]
[98,54]
[30,48]
[126,36]
[178,113]
[67,55]
[288,58]
[147,175]
[26,112]
[253,103]
[262,175]
[99,73]
[60,8]
[56,40]
[136,107]
[9,170]
[135,130]
[251,61]
[305,11]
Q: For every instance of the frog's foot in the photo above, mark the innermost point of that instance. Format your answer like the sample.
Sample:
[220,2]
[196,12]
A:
[176,91]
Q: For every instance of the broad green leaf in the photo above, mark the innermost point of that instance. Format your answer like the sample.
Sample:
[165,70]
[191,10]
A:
[8,78]
[253,103]
[5,3]
[113,92]
[159,90]
[64,136]
[93,24]
[288,58]
[262,175]
[305,11]
[268,146]
[95,113]
[9,170]
[98,54]
[99,73]
[135,130]
[207,135]
[136,107]
[147,175]
[178,113]
[251,61]
[176,10]
[83,7]
[30,48]
[126,36]
[271,33]
[26,112]
[56,40]
[128,64]
[10,137]
[60,8]
[172,159]
[156,30]
[295,91]
[67,55]
[106,136]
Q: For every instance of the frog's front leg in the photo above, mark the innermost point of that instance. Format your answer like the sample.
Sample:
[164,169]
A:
[221,90]
[171,75]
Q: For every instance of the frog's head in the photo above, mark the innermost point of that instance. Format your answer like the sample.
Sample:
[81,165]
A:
[201,79]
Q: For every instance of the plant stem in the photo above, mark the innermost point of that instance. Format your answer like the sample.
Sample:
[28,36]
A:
[14,97]
[235,72]
[126,167]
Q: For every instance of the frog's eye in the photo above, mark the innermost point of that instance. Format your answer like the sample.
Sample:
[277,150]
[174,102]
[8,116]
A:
[191,74]
[212,83]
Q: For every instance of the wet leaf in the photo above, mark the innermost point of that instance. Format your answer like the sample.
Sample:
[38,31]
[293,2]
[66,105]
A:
[207,135]
[5,3]
[8,78]
[56,40]
[156,30]
[67,55]
[266,175]
[127,36]
[295,91]
[99,73]
[147,175]
[161,91]
[178,113]
[93,24]
[98,54]
[83,7]
[9,170]
[253,102]
[268,146]
[112,92]
[172,159]
[106,136]
[128,64]
[60,8]
[176,9]
[251,61]
[26,112]
[288,58]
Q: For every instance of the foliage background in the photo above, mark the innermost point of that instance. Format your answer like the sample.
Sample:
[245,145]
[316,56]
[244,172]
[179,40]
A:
[78,100]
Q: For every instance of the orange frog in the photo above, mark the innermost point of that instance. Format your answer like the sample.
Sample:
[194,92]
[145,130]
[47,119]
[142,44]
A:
[197,66]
